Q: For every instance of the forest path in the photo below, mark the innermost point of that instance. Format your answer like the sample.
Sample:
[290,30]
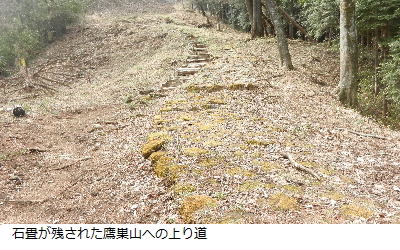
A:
[77,156]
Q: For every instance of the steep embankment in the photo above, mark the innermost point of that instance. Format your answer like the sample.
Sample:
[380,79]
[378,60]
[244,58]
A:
[216,139]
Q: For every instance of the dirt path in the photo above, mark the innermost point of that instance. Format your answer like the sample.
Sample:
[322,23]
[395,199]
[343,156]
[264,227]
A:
[75,157]
[218,133]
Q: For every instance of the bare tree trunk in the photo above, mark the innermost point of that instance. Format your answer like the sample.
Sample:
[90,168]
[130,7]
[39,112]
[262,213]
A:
[376,62]
[286,60]
[249,5]
[347,89]
[256,26]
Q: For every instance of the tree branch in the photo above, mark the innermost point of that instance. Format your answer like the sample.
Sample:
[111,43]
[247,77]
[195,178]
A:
[299,166]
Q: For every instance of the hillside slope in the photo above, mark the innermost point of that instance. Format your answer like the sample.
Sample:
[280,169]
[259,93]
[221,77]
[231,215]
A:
[217,139]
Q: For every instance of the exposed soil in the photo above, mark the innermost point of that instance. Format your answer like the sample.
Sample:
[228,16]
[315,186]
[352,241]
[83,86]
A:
[77,155]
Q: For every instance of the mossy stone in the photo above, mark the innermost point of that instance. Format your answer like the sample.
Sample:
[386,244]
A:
[152,146]
[243,86]
[214,88]
[157,155]
[162,165]
[192,204]
[159,135]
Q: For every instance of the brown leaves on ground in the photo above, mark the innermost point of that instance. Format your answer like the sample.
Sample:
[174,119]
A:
[222,133]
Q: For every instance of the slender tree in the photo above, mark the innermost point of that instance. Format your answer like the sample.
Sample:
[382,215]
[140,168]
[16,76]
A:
[257,29]
[286,60]
[347,89]
[249,5]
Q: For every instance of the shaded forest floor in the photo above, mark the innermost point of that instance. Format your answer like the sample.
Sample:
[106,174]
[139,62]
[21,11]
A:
[77,155]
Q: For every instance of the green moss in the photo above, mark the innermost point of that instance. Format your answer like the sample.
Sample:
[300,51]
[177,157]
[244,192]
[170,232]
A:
[195,151]
[213,182]
[253,185]
[165,110]
[257,155]
[213,88]
[239,171]
[213,143]
[283,202]
[206,127]
[358,211]
[162,165]
[172,128]
[216,101]
[151,147]
[260,142]
[337,196]
[157,155]
[181,189]
[158,119]
[234,217]
[238,153]
[9,155]
[347,179]
[192,204]
[243,86]
[164,168]
[266,166]
[193,88]
[309,164]
[209,162]
[174,102]
[159,135]
[293,189]
[186,117]
[328,171]
[262,202]
[269,128]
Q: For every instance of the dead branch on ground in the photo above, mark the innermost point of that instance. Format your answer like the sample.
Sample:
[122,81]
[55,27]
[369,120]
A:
[300,167]
[362,134]
[73,163]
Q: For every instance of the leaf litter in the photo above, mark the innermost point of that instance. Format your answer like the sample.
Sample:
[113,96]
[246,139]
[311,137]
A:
[222,157]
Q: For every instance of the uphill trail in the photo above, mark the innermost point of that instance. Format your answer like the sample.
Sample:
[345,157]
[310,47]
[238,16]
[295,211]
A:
[180,124]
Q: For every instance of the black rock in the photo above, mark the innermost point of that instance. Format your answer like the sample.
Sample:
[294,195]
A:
[18,111]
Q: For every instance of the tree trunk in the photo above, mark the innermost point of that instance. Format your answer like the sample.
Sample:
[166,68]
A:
[376,62]
[347,89]
[286,60]
[249,5]
[256,26]
[290,19]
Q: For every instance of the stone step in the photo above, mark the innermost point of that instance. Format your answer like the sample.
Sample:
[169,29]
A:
[199,49]
[196,65]
[198,45]
[187,71]
[198,60]
[202,56]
